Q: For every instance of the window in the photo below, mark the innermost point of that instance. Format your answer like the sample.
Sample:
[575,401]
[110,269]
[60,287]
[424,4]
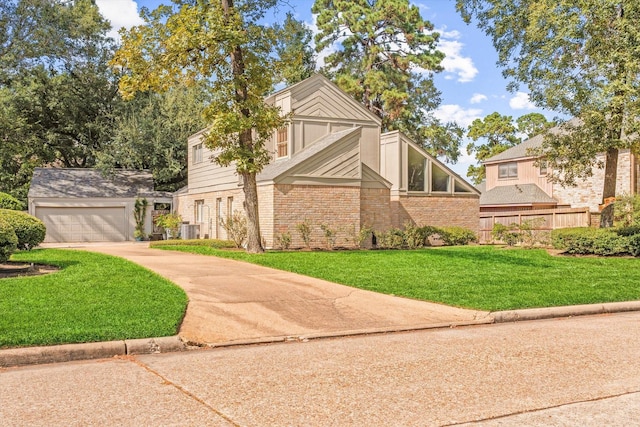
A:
[199,211]
[196,154]
[459,188]
[543,167]
[282,142]
[416,171]
[439,179]
[508,170]
[229,207]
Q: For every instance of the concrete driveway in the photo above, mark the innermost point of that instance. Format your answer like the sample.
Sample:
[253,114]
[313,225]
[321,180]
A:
[233,301]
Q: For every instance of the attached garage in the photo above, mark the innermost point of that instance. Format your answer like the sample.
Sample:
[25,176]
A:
[82,205]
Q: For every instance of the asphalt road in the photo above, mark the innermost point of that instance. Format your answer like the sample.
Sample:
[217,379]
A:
[563,372]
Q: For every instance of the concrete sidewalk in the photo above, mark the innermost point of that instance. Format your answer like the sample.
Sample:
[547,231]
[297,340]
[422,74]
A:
[233,301]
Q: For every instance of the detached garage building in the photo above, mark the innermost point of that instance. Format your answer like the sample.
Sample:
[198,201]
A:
[81,205]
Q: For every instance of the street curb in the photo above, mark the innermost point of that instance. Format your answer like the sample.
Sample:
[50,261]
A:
[86,351]
[102,350]
[566,311]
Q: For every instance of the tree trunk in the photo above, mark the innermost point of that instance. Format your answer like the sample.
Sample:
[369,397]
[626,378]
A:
[609,188]
[254,239]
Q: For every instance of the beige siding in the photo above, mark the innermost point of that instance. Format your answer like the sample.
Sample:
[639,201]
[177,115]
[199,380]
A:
[528,173]
[391,160]
[207,175]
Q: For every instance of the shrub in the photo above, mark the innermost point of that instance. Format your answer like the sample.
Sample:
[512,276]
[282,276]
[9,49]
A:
[8,240]
[510,235]
[633,244]
[413,236]
[329,235]
[304,228]
[359,237]
[7,201]
[626,210]
[456,236]
[170,222]
[140,216]
[283,241]
[29,230]
[628,231]
[236,228]
[390,239]
[590,241]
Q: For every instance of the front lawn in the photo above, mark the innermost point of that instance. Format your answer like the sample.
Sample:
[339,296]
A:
[93,297]
[479,277]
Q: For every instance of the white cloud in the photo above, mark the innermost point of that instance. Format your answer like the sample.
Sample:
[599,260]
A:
[457,114]
[454,62]
[121,13]
[521,102]
[478,98]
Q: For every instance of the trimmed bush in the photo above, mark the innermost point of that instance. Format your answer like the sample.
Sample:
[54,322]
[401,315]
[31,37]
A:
[628,231]
[456,236]
[8,240]
[7,201]
[591,241]
[29,230]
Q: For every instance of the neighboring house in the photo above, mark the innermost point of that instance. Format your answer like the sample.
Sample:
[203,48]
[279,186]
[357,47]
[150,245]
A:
[515,182]
[331,166]
[81,205]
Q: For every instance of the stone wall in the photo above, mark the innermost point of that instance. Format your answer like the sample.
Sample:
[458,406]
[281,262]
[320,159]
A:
[439,211]
[588,192]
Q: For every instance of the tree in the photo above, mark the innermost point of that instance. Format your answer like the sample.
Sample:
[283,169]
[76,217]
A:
[223,44]
[57,93]
[294,50]
[150,133]
[580,59]
[501,133]
[385,57]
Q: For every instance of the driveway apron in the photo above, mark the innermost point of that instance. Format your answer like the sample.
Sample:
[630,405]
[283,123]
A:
[234,301]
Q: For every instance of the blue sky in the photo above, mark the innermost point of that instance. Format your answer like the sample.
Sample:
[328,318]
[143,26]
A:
[471,85]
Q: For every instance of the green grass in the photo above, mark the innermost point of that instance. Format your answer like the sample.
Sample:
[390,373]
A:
[479,277]
[93,297]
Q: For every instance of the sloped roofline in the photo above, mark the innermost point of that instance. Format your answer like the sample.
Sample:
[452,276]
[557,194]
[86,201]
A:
[314,78]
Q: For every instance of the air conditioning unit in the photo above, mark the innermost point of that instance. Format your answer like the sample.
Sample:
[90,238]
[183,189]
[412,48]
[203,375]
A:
[190,231]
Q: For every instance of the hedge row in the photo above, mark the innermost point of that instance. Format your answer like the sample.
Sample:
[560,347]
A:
[212,243]
[597,241]
[19,230]
[412,237]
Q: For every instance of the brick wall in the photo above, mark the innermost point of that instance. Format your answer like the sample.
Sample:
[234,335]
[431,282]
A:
[439,211]
[336,207]
[375,208]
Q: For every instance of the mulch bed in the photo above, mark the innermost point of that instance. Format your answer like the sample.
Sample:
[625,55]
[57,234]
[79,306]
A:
[16,269]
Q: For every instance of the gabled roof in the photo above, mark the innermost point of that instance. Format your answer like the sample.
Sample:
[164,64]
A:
[281,167]
[518,194]
[523,150]
[80,183]
[312,84]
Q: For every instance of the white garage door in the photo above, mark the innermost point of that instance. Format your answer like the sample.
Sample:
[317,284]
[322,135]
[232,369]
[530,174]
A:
[97,224]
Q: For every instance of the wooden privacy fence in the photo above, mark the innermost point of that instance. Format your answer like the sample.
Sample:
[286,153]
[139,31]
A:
[550,219]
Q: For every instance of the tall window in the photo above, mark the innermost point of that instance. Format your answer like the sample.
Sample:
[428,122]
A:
[282,142]
[199,211]
[218,217]
[439,179]
[416,171]
[229,207]
[508,170]
[197,153]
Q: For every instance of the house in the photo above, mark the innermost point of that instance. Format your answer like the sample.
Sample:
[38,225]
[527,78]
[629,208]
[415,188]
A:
[516,180]
[331,167]
[517,188]
[82,205]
